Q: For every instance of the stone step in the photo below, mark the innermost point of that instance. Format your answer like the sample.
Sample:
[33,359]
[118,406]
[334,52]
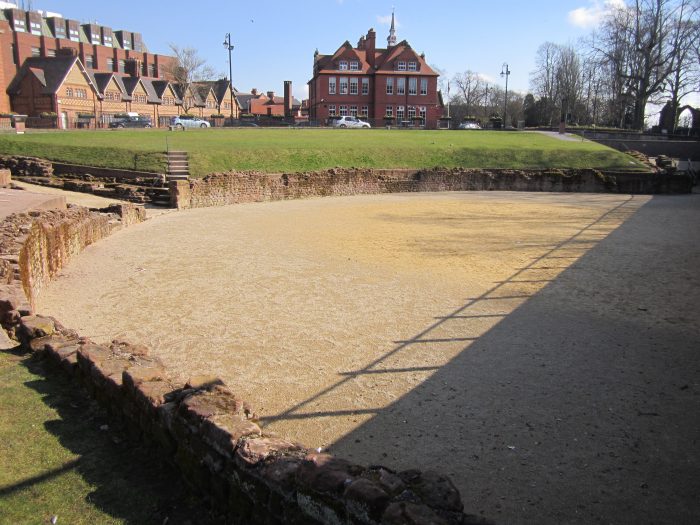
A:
[178,177]
[178,172]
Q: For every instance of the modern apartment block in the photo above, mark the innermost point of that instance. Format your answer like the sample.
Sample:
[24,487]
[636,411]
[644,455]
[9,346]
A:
[375,83]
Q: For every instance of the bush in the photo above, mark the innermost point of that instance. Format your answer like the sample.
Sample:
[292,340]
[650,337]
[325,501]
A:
[48,114]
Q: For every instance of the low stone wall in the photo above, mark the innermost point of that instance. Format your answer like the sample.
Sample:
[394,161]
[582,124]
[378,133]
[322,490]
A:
[233,188]
[26,166]
[199,424]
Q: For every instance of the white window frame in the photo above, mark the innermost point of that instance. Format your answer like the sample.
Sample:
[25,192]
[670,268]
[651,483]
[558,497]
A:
[411,112]
[343,85]
[389,85]
[412,86]
[400,112]
[389,111]
[401,65]
[331,110]
[353,110]
[422,112]
[332,86]
[401,86]
[35,28]
[74,35]
[354,65]
[413,65]
[354,83]
[364,111]
[423,86]
[343,110]
[365,86]
[343,65]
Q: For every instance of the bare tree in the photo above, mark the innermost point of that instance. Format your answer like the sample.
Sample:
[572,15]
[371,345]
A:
[188,68]
[471,89]
[543,81]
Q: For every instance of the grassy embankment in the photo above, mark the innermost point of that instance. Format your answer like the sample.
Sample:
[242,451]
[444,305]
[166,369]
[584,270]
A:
[60,456]
[292,150]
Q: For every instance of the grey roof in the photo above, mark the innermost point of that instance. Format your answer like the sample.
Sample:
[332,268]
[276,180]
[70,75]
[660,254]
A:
[49,71]
[160,86]
[153,97]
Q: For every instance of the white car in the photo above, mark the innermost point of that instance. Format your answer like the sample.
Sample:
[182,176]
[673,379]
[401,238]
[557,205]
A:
[468,124]
[188,121]
[349,122]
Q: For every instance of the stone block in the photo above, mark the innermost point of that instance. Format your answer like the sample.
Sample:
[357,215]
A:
[366,500]
[5,178]
[223,431]
[34,326]
[326,474]
[251,452]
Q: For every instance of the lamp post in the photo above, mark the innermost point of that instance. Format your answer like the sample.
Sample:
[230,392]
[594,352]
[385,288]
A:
[227,45]
[505,72]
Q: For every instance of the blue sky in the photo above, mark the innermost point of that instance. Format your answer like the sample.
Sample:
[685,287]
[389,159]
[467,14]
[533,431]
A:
[275,41]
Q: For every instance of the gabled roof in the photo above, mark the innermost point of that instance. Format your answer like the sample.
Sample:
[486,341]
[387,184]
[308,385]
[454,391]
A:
[162,86]
[153,97]
[219,87]
[50,72]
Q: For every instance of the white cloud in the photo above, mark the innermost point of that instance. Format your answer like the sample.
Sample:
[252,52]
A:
[591,15]
[386,20]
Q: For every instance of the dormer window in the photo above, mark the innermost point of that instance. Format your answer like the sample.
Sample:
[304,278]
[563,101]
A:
[74,35]
[107,41]
[343,65]
[96,39]
[354,65]
[401,65]
[19,25]
[35,28]
[413,65]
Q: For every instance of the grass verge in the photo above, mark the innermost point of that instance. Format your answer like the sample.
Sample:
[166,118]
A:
[57,458]
[291,150]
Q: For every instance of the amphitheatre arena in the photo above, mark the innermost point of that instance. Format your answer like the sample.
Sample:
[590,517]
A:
[538,348]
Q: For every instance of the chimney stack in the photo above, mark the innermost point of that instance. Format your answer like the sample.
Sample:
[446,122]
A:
[287,98]
[370,46]
[271,96]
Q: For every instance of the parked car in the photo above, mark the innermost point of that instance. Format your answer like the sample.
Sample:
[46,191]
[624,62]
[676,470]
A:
[349,122]
[467,124]
[130,121]
[188,121]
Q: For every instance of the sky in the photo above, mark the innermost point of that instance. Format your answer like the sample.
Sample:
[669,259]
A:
[275,40]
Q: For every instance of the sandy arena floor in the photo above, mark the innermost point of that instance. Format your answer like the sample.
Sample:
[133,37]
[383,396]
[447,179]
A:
[541,349]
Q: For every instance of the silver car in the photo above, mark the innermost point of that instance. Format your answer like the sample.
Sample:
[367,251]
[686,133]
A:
[188,121]
[349,122]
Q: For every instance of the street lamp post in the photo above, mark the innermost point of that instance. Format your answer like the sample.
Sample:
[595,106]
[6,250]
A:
[505,72]
[227,45]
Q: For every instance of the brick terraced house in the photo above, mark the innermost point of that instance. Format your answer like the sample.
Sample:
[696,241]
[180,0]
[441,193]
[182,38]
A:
[86,74]
[375,84]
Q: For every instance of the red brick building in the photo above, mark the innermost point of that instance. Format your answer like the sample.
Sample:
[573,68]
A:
[375,83]
[27,34]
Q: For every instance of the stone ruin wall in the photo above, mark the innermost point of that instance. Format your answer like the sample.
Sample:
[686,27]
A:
[233,187]
[199,424]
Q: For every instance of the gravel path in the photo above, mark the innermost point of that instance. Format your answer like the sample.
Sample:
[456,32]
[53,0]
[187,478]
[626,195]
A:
[539,348]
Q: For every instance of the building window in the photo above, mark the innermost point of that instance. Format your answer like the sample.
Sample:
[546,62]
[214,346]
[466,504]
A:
[96,40]
[364,111]
[365,86]
[151,70]
[411,112]
[90,61]
[353,111]
[413,65]
[389,86]
[343,85]
[413,86]
[35,28]
[331,86]
[210,104]
[80,93]
[400,86]
[401,66]
[19,25]
[353,86]
[122,66]
[422,112]
[343,65]
[50,52]
[74,35]
[423,86]
[331,110]
[107,41]
[36,52]
[399,112]
[110,64]
[354,65]
[60,32]
[69,92]
[389,111]
[343,110]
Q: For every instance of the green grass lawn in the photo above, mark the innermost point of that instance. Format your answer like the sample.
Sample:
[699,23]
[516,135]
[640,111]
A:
[61,456]
[291,150]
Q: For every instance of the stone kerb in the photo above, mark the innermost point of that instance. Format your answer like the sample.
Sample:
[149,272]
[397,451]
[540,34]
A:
[199,424]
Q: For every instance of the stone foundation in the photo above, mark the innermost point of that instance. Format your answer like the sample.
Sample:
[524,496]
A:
[232,188]
[199,424]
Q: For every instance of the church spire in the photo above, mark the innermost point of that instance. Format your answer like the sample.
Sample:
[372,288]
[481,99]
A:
[391,39]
